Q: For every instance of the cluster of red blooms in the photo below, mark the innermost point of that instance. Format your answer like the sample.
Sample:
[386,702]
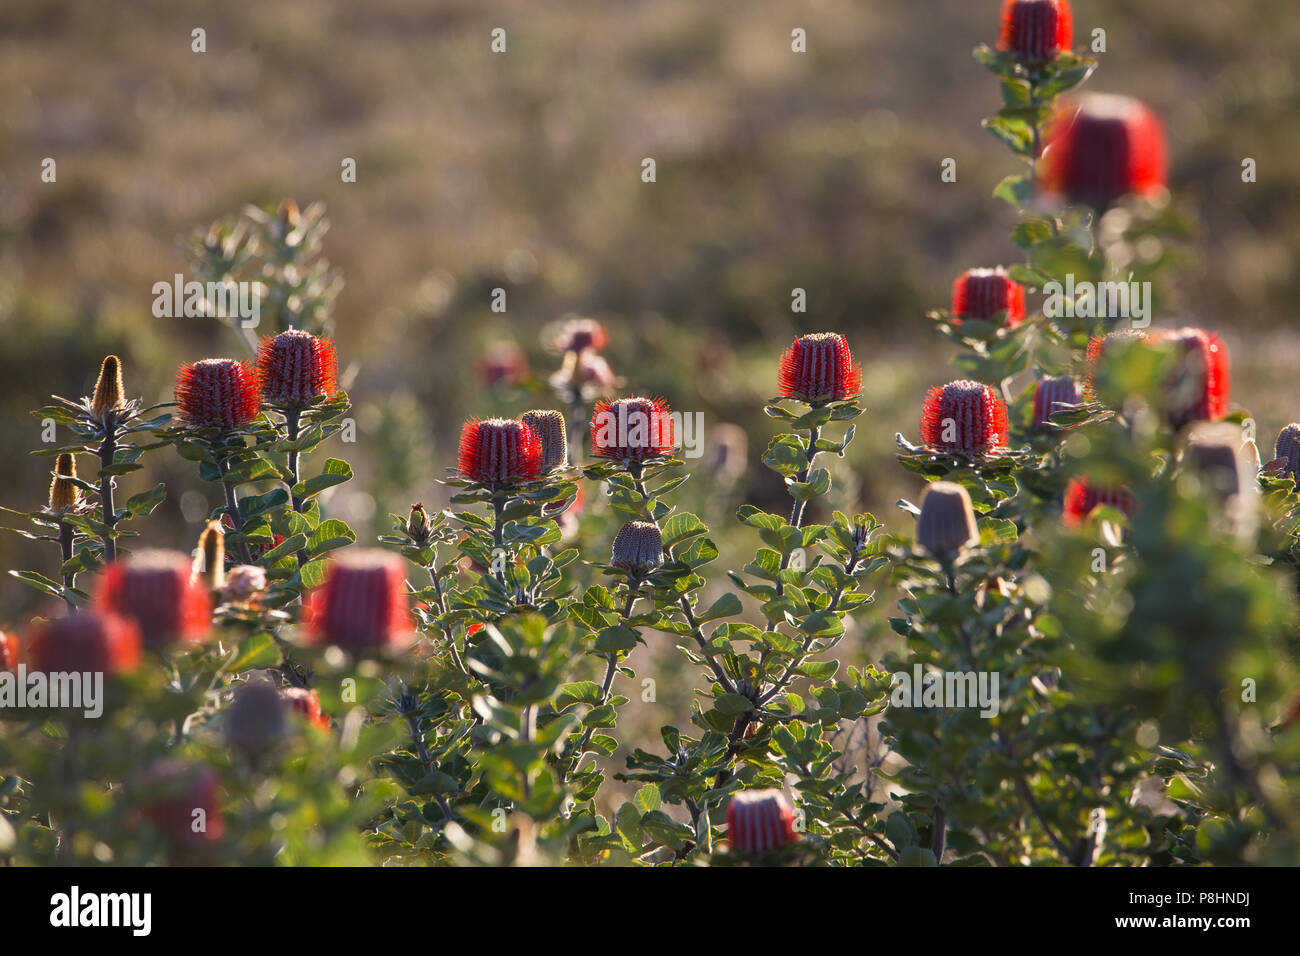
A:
[1199,384]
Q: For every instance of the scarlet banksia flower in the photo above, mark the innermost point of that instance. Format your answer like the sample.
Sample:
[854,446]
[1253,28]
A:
[87,641]
[243,583]
[307,703]
[1198,389]
[964,417]
[295,368]
[632,428]
[638,547]
[109,394]
[1083,495]
[819,368]
[499,450]
[8,652]
[64,495]
[363,603]
[986,293]
[1102,147]
[759,821]
[1288,450]
[218,393]
[1050,394]
[210,563]
[1036,30]
[154,589]
[553,432]
[183,803]
[946,523]
[578,335]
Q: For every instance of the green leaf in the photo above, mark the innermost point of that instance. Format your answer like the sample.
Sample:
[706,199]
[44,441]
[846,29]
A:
[725,606]
[329,536]
[259,650]
[647,798]
[682,526]
[146,501]
[1016,190]
[335,472]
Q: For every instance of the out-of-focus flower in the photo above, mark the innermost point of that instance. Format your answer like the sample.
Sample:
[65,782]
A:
[946,523]
[499,450]
[1051,393]
[307,703]
[632,429]
[1287,450]
[153,588]
[296,368]
[986,293]
[502,363]
[1083,495]
[89,641]
[8,651]
[1102,147]
[552,431]
[1199,386]
[363,603]
[964,417]
[1036,30]
[759,821]
[578,335]
[638,547]
[183,804]
[209,568]
[244,582]
[218,393]
[818,368]
[1215,455]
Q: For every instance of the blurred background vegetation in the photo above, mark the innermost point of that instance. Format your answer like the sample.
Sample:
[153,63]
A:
[522,171]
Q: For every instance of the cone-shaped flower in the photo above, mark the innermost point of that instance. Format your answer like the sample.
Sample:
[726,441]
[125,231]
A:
[1082,496]
[1288,449]
[499,450]
[1199,387]
[638,547]
[759,821]
[109,395]
[1036,30]
[243,583]
[579,335]
[210,563]
[363,603]
[946,523]
[153,588]
[218,393]
[88,641]
[1101,147]
[64,495]
[964,417]
[985,293]
[1051,393]
[295,368]
[819,368]
[632,428]
[8,651]
[552,432]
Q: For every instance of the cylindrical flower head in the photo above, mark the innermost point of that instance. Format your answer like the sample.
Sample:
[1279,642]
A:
[499,450]
[257,719]
[759,821]
[218,393]
[1101,147]
[1288,449]
[8,652]
[1036,30]
[109,395]
[964,417]
[175,793]
[363,603]
[819,368]
[87,641]
[210,564]
[946,523]
[153,588]
[295,368]
[552,431]
[243,583]
[1082,496]
[578,335]
[985,293]
[64,495]
[307,703]
[638,547]
[1198,390]
[1051,393]
[632,428]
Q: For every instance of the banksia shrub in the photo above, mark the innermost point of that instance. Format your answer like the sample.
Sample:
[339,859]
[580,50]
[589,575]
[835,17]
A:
[1198,389]
[296,368]
[1036,30]
[154,589]
[218,393]
[632,429]
[1287,450]
[499,450]
[638,547]
[363,603]
[89,641]
[964,417]
[759,821]
[819,368]
[64,495]
[109,395]
[986,293]
[552,432]
[1101,148]
[1049,394]
[946,523]
[1083,495]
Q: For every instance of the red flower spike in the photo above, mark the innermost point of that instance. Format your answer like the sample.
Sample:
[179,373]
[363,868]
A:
[1101,147]
[295,368]
[1049,394]
[499,450]
[87,641]
[632,429]
[1082,496]
[1198,390]
[985,293]
[8,652]
[218,393]
[155,590]
[759,821]
[1036,30]
[363,603]
[819,368]
[307,703]
[964,417]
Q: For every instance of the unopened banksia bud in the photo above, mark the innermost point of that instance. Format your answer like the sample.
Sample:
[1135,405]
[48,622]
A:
[218,393]
[417,525]
[759,821]
[552,431]
[257,719]
[985,293]
[579,335]
[210,562]
[1051,393]
[64,495]
[964,417]
[638,547]
[1036,30]
[499,450]
[109,394]
[819,368]
[295,368]
[1288,450]
[946,523]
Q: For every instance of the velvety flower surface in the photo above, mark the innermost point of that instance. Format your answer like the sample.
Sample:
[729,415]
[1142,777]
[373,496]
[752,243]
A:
[985,293]
[1101,147]
[156,590]
[1036,29]
[638,546]
[64,495]
[632,428]
[1050,394]
[553,433]
[499,450]
[89,641]
[218,393]
[1288,450]
[759,821]
[819,368]
[964,417]
[296,368]
[363,603]
[946,523]
[109,393]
